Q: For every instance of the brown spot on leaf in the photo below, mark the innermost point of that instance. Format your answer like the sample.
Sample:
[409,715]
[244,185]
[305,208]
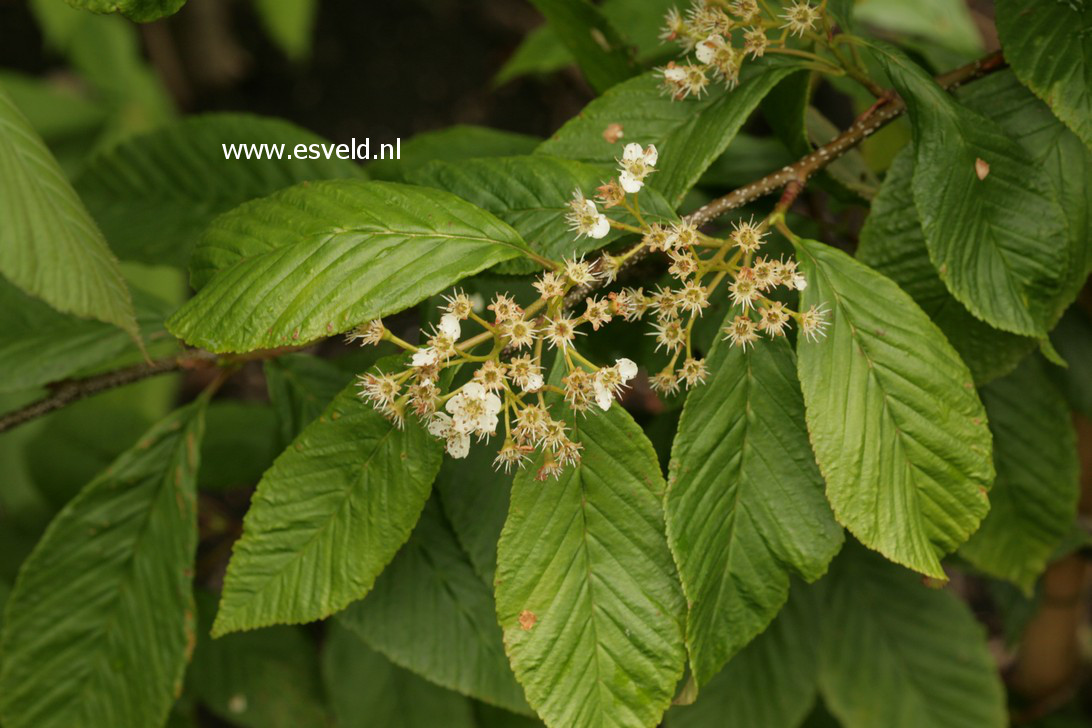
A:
[527,620]
[613,133]
[981,168]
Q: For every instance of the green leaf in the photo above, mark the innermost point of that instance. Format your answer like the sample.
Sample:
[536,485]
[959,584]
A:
[771,683]
[327,517]
[944,23]
[431,613]
[892,242]
[49,245]
[475,500]
[595,44]
[540,51]
[1046,43]
[1034,499]
[532,194]
[317,259]
[996,233]
[1073,339]
[100,624]
[139,11]
[898,431]
[452,144]
[745,504]
[689,134]
[153,194]
[300,388]
[586,590]
[240,444]
[290,23]
[263,679]
[898,654]
[366,690]
[39,345]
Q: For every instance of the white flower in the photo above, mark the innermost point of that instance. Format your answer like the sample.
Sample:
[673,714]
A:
[458,445]
[425,357]
[533,383]
[439,425]
[603,397]
[800,17]
[474,410]
[585,219]
[707,49]
[449,326]
[635,165]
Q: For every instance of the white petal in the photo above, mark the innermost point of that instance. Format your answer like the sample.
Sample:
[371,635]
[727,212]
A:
[534,383]
[651,155]
[474,390]
[424,357]
[600,229]
[603,398]
[492,404]
[675,73]
[449,326]
[458,446]
[706,50]
[477,302]
[632,152]
[799,282]
[626,369]
[439,425]
[455,404]
[589,205]
[630,183]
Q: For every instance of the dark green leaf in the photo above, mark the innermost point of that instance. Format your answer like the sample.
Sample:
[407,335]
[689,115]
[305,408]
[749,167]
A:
[892,242]
[532,194]
[898,654]
[587,593]
[771,683]
[290,24]
[992,223]
[153,194]
[300,388]
[367,691]
[1073,339]
[240,444]
[450,145]
[100,623]
[327,517]
[1033,502]
[263,679]
[431,613]
[140,11]
[897,429]
[745,505]
[1046,43]
[597,47]
[317,259]
[689,134]
[49,245]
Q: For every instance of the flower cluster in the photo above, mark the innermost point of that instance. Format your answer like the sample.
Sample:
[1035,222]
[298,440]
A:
[722,34]
[507,389]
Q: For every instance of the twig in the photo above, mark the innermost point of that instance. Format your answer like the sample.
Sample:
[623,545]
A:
[66,392]
[888,107]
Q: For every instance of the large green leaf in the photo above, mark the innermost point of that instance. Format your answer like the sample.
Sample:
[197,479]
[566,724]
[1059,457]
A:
[366,690]
[263,679]
[995,233]
[1046,43]
[475,500]
[595,44]
[689,134]
[532,194]
[49,245]
[745,505]
[771,683]
[101,621]
[897,429]
[39,345]
[1034,500]
[153,194]
[587,593]
[140,11]
[317,259]
[431,582]
[898,654]
[327,517]
[892,242]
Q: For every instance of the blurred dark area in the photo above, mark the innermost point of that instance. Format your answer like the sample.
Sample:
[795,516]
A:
[375,69]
